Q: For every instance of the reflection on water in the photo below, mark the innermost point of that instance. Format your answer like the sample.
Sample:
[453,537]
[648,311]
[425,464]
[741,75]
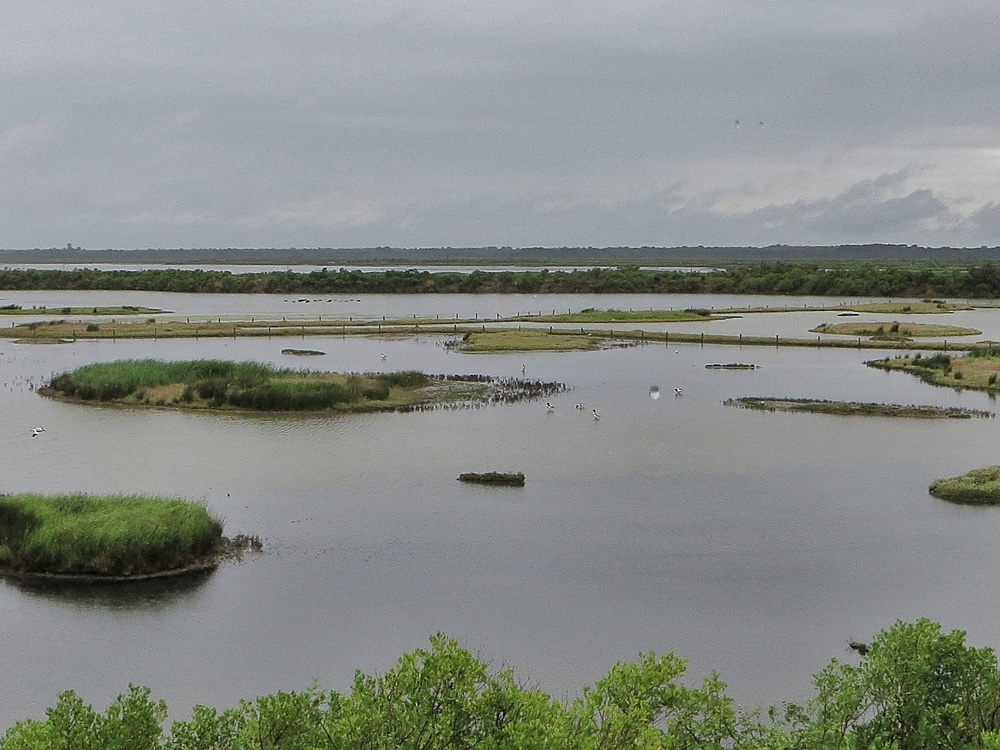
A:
[139,596]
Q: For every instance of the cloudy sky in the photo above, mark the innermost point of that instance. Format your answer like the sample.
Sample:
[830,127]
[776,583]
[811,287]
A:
[359,123]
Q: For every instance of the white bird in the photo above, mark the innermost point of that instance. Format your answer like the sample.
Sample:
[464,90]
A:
[37,431]
[384,358]
[549,407]
[579,405]
[678,391]
[677,351]
[597,417]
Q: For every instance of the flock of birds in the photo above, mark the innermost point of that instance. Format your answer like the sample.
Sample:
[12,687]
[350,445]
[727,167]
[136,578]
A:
[551,409]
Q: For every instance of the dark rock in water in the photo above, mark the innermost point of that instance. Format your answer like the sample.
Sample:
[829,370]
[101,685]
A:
[494,477]
[303,352]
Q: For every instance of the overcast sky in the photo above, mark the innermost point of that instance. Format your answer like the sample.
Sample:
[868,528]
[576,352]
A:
[360,123]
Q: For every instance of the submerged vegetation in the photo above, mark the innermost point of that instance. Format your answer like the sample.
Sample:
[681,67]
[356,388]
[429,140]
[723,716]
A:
[914,688]
[978,369]
[116,536]
[853,408]
[494,477]
[979,487]
[252,386]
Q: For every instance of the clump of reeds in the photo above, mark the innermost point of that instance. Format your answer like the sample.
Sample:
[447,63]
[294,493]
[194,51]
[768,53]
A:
[494,477]
[104,535]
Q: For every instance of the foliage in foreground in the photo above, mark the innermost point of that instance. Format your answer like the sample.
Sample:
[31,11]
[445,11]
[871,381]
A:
[916,688]
[103,535]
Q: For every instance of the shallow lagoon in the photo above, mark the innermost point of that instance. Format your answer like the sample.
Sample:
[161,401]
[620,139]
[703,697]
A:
[753,544]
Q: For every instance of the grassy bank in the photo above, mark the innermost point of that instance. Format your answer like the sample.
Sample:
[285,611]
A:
[104,535]
[979,369]
[252,386]
[979,486]
[853,408]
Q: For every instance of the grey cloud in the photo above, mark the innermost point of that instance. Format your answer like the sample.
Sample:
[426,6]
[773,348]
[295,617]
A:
[392,123]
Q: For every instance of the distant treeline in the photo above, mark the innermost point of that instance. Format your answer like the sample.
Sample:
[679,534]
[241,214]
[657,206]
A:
[979,281]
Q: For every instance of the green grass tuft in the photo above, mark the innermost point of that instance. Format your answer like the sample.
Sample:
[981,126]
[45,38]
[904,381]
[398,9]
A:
[104,535]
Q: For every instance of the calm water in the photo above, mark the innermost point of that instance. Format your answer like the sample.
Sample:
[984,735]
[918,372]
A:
[752,544]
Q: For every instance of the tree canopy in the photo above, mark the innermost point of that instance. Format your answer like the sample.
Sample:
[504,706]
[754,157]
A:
[915,688]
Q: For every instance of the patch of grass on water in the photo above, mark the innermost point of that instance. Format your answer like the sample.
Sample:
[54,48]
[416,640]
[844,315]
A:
[854,408]
[526,340]
[979,487]
[104,535]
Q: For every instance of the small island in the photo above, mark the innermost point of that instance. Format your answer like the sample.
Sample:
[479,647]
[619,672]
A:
[894,331]
[853,408]
[100,538]
[253,386]
[978,487]
[977,370]
[732,366]
[527,340]
[495,478]
[303,352]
